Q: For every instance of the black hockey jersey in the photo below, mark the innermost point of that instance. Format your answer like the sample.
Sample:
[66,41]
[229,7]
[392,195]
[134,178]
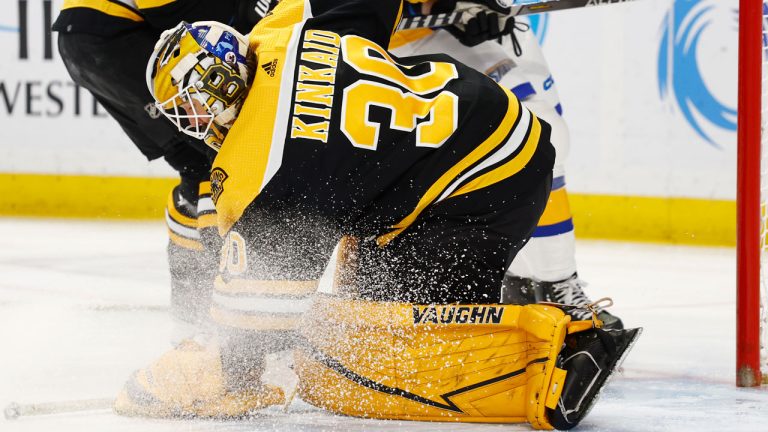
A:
[110,17]
[337,127]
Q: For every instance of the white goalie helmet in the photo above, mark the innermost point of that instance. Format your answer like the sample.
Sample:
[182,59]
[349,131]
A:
[198,74]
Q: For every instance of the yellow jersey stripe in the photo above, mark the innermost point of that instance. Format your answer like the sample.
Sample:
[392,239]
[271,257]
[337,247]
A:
[512,144]
[185,242]
[481,151]
[297,288]
[204,188]
[149,4]
[558,209]
[510,168]
[245,321]
[207,220]
[252,153]
[113,9]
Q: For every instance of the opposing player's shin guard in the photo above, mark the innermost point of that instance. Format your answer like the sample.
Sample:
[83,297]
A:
[550,253]
[545,269]
[567,292]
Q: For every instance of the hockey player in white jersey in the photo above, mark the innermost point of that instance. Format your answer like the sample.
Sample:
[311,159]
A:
[545,269]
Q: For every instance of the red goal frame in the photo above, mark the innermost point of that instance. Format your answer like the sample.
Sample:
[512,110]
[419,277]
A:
[748,215]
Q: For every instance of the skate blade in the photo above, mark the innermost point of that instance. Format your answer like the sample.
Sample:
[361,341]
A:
[623,356]
[602,383]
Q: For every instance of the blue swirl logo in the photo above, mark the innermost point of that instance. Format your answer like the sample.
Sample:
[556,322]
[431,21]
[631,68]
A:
[539,24]
[680,74]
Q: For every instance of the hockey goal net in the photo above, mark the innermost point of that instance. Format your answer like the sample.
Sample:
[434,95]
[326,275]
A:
[752,196]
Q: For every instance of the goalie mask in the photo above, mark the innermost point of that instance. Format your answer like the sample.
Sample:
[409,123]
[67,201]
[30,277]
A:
[198,74]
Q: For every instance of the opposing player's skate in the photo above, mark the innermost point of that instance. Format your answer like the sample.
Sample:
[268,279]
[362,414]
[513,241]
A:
[570,291]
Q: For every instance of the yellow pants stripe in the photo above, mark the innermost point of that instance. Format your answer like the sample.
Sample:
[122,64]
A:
[115,9]
[510,168]
[481,151]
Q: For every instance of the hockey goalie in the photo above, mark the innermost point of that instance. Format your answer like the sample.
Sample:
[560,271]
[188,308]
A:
[421,175]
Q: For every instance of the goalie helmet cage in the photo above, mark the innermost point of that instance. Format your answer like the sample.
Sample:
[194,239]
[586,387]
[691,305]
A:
[752,194]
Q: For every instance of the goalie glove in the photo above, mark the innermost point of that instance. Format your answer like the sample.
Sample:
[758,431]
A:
[481,20]
[195,381]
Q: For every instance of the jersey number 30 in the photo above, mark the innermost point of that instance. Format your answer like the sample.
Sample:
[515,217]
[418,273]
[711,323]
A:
[434,119]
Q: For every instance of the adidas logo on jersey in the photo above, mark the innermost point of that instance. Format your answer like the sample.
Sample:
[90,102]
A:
[270,68]
[457,314]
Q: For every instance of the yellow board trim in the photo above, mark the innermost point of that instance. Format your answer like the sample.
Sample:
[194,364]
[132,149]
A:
[113,9]
[80,196]
[702,222]
[659,220]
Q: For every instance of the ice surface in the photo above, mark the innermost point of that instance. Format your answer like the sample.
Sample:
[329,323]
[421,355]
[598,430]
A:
[82,304]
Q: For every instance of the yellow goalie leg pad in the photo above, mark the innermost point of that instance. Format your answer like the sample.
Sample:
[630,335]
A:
[188,381]
[466,363]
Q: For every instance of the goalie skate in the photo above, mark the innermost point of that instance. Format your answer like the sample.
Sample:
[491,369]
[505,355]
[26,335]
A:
[590,358]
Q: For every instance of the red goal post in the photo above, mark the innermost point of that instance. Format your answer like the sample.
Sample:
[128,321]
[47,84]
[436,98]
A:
[752,192]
